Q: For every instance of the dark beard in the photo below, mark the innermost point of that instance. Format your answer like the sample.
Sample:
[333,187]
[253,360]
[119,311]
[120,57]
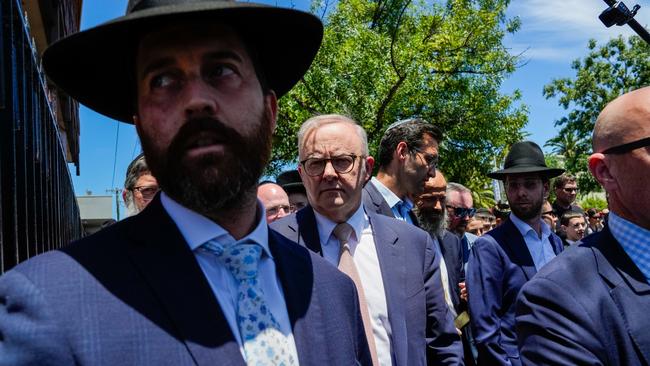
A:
[211,184]
[525,214]
[433,222]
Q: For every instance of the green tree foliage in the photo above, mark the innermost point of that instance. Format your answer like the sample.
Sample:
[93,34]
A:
[386,60]
[617,67]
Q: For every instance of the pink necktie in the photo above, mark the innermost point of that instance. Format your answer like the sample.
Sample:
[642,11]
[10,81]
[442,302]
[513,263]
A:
[346,265]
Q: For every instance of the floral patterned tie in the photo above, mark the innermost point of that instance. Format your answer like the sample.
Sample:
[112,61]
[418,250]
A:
[264,343]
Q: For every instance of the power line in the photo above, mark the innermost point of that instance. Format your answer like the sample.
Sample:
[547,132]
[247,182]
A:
[117,138]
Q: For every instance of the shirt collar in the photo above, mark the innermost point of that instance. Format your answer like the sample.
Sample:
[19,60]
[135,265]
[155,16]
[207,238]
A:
[524,228]
[390,197]
[198,229]
[326,226]
[634,240]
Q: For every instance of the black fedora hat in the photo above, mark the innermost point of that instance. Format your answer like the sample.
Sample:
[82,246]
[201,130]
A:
[96,66]
[291,182]
[525,157]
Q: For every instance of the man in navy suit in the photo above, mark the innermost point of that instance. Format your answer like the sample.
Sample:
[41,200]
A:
[394,266]
[590,305]
[505,258]
[408,154]
[197,278]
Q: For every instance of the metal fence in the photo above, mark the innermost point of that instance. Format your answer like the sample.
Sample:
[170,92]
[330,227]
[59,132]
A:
[38,209]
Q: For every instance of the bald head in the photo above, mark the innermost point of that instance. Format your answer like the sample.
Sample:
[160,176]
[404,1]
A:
[275,201]
[625,119]
[431,211]
[436,183]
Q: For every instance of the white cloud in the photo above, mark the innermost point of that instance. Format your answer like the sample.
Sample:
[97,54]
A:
[559,29]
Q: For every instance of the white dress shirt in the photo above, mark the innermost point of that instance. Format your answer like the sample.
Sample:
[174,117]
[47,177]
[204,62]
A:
[540,248]
[197,229]
[365,258]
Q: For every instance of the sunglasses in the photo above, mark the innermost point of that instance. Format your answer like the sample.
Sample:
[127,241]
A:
[626,148]
[463,212]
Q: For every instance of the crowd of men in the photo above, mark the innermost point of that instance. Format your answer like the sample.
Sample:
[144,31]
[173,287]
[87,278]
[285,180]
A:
[328,265]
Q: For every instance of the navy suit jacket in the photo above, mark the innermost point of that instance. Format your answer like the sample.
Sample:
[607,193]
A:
[589,306]
[375,202]
[499,265]
[420,321]
[134,294]
[452,252]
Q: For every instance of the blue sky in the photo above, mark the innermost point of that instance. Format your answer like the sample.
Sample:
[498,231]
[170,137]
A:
[553,33]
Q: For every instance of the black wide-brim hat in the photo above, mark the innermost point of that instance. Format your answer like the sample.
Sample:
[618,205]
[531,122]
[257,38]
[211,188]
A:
[97,66]
[291,182]
[525,157]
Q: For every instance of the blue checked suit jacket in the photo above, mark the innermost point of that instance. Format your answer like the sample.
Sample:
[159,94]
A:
[589,306]
[134,294]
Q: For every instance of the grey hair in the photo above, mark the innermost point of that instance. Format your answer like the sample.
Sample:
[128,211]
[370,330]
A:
[457,187]
[136,169]
[325,119]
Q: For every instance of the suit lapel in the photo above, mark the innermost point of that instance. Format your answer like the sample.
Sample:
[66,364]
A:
[376,201]
[308,229]
[630,289]
[518,248]
[392,261]
[297,278]
[162,256]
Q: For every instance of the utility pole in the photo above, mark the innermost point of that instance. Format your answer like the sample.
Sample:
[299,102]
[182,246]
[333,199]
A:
[117,192]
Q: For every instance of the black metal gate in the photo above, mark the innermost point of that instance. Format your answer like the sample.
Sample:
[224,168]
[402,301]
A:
[38,209]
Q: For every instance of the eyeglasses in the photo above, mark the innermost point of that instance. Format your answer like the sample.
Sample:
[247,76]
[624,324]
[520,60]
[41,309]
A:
[342,164]
[463,212]
[430,160]
[625,148]
[548,213]
[147,192]
[273,211]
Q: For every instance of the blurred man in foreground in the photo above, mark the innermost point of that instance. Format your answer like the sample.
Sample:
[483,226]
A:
[590,305]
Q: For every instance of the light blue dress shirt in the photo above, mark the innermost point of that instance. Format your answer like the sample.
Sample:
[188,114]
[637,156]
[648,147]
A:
[539,248]
[634,239]
[394,202]
[197,229]
[329,243]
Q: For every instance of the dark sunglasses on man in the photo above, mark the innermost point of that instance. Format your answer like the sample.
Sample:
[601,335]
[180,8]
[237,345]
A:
[463,212]
[626,148]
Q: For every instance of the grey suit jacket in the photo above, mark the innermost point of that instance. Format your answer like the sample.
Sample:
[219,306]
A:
[134,294]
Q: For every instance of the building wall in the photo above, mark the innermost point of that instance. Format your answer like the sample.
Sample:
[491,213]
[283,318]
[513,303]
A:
[38,209]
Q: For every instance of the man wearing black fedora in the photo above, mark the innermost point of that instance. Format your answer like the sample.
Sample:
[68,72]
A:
[197,278]
[505,258]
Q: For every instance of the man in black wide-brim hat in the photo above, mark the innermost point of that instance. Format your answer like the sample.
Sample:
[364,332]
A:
[196,278]
[505,258]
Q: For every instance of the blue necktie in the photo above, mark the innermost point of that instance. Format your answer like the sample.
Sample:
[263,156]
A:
[264,343]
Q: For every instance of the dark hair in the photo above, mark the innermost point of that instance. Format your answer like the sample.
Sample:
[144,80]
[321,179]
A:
[567,216]
[562,180]
[410,131]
